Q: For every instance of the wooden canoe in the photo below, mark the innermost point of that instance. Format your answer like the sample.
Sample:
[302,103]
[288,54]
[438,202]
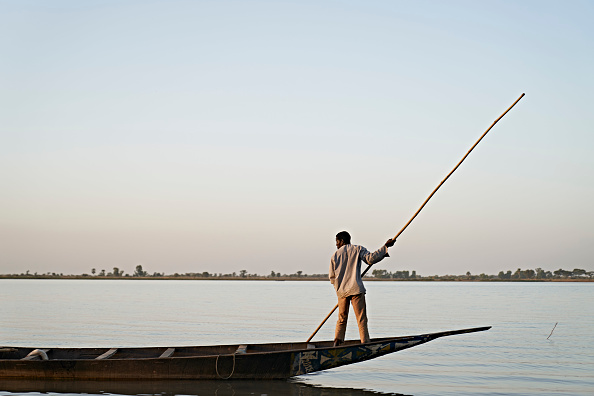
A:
[254,361]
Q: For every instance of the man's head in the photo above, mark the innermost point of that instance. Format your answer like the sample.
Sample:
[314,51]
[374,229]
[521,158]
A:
[342,238]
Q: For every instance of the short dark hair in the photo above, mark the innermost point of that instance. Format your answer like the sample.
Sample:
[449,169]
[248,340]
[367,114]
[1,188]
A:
[344,236]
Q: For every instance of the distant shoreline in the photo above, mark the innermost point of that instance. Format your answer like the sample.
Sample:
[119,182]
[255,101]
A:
[282,279]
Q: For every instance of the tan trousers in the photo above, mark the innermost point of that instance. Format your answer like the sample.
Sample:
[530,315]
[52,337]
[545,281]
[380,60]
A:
[360,309]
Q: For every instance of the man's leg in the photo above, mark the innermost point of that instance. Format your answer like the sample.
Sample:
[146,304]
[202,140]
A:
[360,309]
[341,323]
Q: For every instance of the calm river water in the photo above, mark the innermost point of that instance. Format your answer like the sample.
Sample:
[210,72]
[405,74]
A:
[513,358]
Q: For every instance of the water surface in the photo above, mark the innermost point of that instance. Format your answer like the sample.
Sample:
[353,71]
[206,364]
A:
[513,358]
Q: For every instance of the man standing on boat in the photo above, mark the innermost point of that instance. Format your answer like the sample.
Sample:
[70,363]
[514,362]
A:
[345,275]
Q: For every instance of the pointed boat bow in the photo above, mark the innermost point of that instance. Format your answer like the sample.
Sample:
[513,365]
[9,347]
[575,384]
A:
[352,352]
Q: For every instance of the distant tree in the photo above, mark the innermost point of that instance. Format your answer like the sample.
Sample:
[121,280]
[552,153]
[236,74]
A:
[102,273]
[205,274]
[413,274]
[561,273]
[578,272]
[116,272]
[399,275]
[380,273]
[139,271]
[468,274]
[242,273]
[272,274]
[299,273]
[93,271]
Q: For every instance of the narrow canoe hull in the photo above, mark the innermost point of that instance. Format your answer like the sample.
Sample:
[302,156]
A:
[258,361]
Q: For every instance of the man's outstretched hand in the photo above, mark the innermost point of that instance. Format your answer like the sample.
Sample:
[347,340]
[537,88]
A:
[390,242]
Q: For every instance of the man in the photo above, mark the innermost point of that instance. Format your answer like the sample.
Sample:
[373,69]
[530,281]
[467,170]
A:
[345,275]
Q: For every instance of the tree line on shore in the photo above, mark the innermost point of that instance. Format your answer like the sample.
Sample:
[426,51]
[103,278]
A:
[518,275]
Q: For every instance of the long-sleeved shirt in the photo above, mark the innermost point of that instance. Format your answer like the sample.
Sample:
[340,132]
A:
[345,268]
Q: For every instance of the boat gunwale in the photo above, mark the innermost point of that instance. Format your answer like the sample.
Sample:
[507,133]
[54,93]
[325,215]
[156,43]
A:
[346,344]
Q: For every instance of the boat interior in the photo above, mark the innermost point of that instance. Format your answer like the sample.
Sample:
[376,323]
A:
[22,353]
[19,353]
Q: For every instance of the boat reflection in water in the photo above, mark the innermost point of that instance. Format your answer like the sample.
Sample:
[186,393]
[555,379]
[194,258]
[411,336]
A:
[186,387]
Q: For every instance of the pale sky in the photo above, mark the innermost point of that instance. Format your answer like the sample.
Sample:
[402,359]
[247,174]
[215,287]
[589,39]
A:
[191,136]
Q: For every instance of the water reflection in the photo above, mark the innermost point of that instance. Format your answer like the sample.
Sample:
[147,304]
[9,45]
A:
[189,388]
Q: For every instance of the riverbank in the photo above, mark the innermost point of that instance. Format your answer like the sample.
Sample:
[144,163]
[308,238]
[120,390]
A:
[287,278]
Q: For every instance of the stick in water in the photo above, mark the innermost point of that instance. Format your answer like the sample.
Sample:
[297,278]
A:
[425,203]
[552,331]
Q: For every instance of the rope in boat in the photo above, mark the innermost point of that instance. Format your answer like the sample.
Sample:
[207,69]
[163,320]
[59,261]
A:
[217,368]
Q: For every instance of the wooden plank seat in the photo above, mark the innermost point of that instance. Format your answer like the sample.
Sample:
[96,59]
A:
[37,354]
[107,354]
[168,353]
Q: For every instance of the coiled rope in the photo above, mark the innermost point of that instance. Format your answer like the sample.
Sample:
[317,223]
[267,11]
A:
[217,368]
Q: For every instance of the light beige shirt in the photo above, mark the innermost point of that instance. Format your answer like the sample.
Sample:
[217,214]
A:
[345,268]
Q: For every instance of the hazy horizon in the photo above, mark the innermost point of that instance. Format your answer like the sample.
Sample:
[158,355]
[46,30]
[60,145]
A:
[220,136]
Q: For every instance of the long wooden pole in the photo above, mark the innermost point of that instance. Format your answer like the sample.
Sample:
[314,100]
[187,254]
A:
[425,203]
